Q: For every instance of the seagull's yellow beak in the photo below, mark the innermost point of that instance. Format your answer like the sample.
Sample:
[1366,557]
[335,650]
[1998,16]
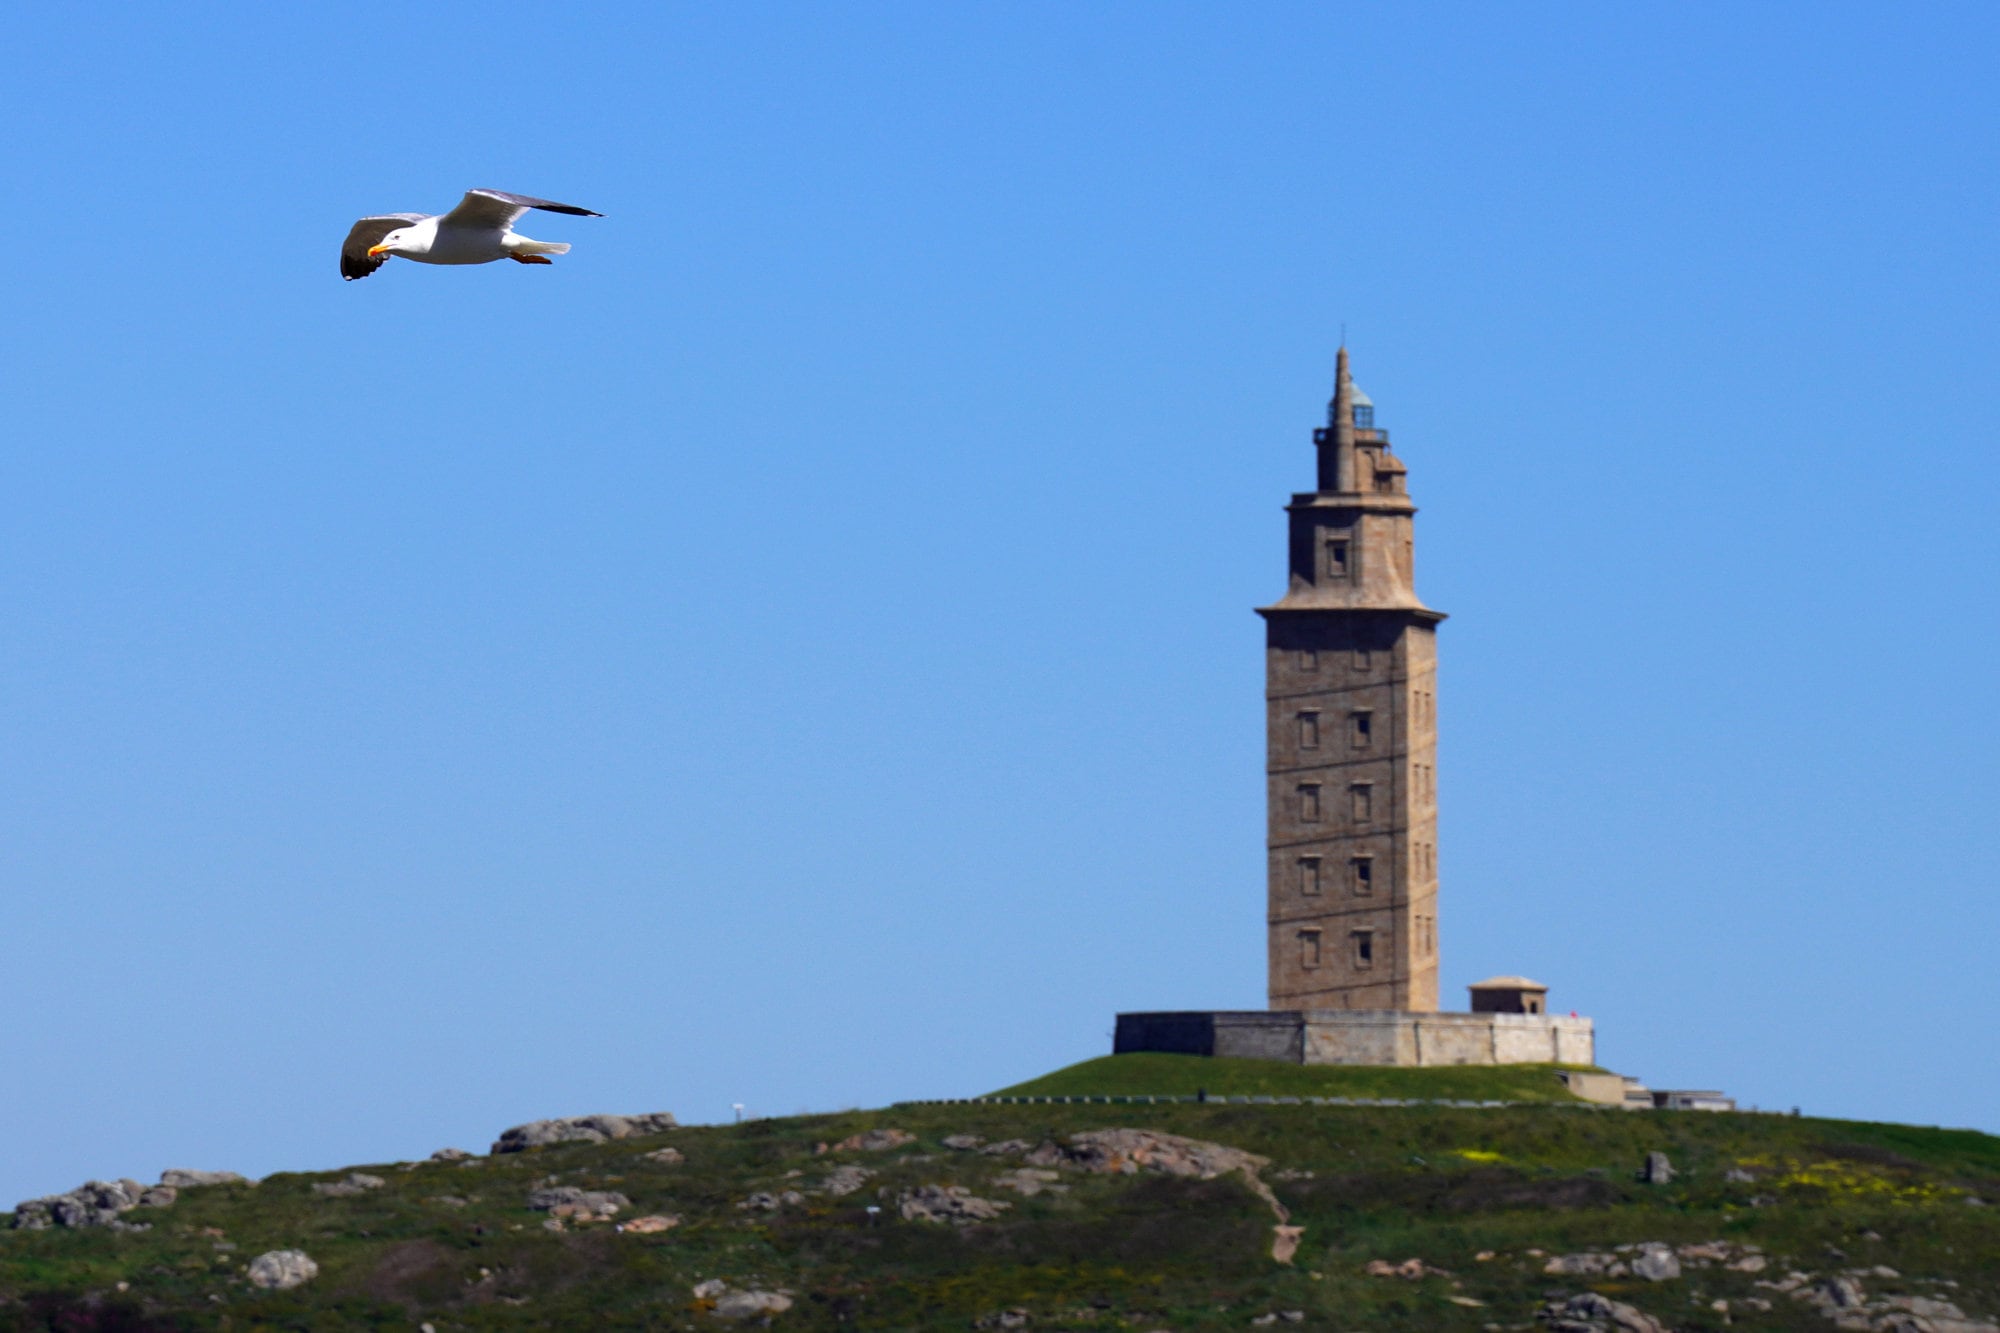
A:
[375,250]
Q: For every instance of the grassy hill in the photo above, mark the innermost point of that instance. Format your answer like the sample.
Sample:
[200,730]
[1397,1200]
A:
[456,1246]
[1186,1075]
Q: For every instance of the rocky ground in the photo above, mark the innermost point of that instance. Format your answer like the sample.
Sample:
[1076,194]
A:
[1099,1217]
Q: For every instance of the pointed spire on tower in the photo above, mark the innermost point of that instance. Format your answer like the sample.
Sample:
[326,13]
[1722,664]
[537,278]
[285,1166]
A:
[1336,455]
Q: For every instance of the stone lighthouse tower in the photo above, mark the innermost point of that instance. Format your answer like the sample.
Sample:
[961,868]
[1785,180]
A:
[1350,666]
[1351,873]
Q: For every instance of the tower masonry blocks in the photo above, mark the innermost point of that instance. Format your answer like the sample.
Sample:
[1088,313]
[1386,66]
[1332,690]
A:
[1351,903]
[1351,691]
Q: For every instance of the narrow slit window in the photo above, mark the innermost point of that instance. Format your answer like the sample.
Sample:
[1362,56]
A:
[1309,802]
[1363,796]
[1308,949]
[1364,948]
[1363,868]
[1360,728]
[1309,730]
[1309,875]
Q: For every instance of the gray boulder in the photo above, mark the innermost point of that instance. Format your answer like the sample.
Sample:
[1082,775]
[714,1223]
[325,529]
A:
[1658,1170]
[357,1182]
[281,1270]
[1656,1262]
[582,1129]
[569,1201]
[737,1305]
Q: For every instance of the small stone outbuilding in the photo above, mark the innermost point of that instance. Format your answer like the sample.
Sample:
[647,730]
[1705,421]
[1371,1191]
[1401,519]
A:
[1509,995]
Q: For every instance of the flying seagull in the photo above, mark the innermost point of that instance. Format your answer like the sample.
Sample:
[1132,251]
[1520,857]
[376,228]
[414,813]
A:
[479,231]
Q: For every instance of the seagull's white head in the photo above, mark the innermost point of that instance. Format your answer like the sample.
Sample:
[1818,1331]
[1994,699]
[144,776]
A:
[402,241]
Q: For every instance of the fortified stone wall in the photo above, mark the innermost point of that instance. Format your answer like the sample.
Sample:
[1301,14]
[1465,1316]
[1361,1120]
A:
[1384,1037]
[1363,1037]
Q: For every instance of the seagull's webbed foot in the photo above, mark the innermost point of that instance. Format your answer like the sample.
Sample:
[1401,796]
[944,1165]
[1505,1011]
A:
[531,259]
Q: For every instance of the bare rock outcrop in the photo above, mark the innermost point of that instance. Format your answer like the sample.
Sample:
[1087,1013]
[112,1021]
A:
[1594,1313]
[182,1179]
[1129,1151]
[845,1180]
[582,1129]
[1653,1260]
[1842,1299]
[95,1203]
[874,1140]
[947,1203]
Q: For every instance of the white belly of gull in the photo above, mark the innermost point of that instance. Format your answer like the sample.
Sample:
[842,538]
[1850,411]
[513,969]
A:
[460,245]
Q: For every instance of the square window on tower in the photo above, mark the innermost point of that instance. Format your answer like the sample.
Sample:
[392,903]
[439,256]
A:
[1362,869]
[1309,803]
[1309,729]
[1364,948]
[1308,659]
[1362,795]
[1308,949]
[1363,659]
[1336,557]
[1309,875]
[1360,728]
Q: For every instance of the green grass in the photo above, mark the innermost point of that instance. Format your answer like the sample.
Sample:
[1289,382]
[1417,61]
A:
[456,1246]
[1184,1075]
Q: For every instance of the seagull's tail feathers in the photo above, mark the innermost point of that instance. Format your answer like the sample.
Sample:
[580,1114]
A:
[521,245]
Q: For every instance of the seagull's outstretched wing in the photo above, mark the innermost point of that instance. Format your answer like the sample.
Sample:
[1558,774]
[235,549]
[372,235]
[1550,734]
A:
[354,260]
[496,210]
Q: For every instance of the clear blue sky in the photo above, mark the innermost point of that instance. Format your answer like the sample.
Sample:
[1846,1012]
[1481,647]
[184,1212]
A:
[797,650]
